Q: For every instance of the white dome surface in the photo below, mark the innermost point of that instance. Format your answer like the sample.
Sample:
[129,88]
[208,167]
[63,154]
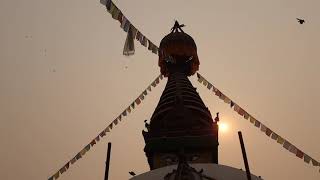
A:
[216,171]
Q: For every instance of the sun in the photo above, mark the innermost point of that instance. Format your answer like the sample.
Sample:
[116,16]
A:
[223,127]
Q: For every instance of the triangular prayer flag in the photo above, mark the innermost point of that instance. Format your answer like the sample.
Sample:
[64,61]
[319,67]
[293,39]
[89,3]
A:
[154,84]
[110,126]
[218,93]
[93,142]
[120,16]
[268,132]
[129,109]
[63,169]
[222,96]
[132,105]
[56,175]
[150,45]
[120,116]
[315,163]
[205,82]
[280,140]
[67,165]
[112,8]
[155,50]
[149,88]
[97,138]
[200,79]
[274,136]
[157,80]
[50,178]
[128,48]
[145,41]
[138,101]
[103,133]
[145,92]
[138,36]
[78,156]
[231,104]
[115,121]
[124,113]
[263,127]
[299,154]
[87,147]
[127,26]
[107,129]
[141,96]
[73,160]
[307,158]
[209,86]
[83,151]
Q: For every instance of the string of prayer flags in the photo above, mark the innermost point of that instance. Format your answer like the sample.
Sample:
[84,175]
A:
[126,25]
[103,133]
[266,130]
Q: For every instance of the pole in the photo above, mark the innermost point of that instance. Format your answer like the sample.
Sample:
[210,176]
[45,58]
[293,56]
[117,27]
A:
[244,154]
[106,175]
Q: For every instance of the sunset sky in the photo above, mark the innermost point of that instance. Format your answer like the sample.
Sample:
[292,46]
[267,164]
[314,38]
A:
[63,79]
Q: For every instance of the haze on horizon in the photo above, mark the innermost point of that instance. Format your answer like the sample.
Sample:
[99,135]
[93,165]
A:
[63,78]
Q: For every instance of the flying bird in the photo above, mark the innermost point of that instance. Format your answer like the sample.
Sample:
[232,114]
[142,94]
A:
[301,21]
[132,173]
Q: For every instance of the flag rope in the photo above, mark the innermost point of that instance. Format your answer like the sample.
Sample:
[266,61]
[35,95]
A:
[265,129]
[130,29]
[125,112]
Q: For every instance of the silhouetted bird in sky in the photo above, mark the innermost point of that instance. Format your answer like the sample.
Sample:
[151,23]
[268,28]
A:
[301,21]
[132,173]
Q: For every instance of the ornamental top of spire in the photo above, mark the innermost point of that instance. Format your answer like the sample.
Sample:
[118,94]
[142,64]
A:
[178,48]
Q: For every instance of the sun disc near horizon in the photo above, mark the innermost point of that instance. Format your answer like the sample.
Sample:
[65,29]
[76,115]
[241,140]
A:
[223,127]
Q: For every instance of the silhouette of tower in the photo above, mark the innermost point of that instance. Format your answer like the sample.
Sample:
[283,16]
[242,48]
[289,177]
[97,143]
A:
[181,122]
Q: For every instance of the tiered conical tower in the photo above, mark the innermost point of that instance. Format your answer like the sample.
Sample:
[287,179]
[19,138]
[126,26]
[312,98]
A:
[181,122]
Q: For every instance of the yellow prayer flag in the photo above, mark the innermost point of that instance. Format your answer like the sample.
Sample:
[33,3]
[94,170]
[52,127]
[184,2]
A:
[56,175]
[280,140]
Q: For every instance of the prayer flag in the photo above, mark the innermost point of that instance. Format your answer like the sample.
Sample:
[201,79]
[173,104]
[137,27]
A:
[153,84]
[257,124]
[227,100]
[274,136]
[161,76]
[149,88]
[108,4]
[93,142]
[293,149]
[200,79]
[155,50]
[62,170]
[128,48]
[87,147]
[252,119]
[263,128]
[286,145]
[56,175]
[205,82]
[299,154]
[123,23]
[115,12]
[241,111]
[120,16]
[129,109]
[268,132]
[145,92]
[73,160]
[50,178]
[145,41]
[246,115]
[157,80]
[150,45]
[127,25]
[280,140]
[231,104]
[119,117]
[112,8]
[141,97]
[236,108]
[103,133]
[78,156]
[307,158]
[138,36]
[138,101]
[115,121]
[124,113]
[107,129]
[97,138]
[218,93]
[132,105]
[110,125]
[209,86]
[67,165]
[315,163]
[83,151]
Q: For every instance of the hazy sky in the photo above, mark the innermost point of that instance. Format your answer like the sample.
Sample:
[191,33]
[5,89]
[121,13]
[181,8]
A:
[63,79]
